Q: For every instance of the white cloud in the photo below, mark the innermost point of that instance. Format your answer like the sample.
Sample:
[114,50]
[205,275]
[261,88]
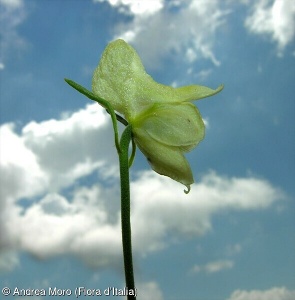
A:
[54,153]
[12,14]
[55,226]
[83,225]
[136,7]
[80,144]
[275,18]
[214,266]
[190,32]
[275,293]
[44,158]
[161,29]
[16,161]
[51,155]
[163,205]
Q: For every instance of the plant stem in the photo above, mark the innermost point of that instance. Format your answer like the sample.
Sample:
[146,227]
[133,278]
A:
[125,210]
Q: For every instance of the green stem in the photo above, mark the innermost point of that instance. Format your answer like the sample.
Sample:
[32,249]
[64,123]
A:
[125,209]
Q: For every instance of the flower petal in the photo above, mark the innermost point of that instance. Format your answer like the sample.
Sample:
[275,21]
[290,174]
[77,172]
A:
[178,125]
[165,160]
[195,92]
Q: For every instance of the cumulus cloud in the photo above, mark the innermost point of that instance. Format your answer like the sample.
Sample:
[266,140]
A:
[275,293]
[47,210]
[16,161]
[162,29]
[163,205]
[51,155]
[12,14]
[275,18]
[80,227]
[79,144]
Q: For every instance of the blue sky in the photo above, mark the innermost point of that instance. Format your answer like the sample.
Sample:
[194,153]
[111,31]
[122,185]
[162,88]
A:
[232,237]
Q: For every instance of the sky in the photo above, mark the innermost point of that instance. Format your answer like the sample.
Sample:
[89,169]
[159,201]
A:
[232,237]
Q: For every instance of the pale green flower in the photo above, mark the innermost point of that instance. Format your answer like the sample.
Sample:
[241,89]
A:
[165,124]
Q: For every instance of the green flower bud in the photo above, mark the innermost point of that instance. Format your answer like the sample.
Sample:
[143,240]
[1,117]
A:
[165,124]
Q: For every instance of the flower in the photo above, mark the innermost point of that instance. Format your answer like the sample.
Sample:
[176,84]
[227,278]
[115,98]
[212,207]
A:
[165,124]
